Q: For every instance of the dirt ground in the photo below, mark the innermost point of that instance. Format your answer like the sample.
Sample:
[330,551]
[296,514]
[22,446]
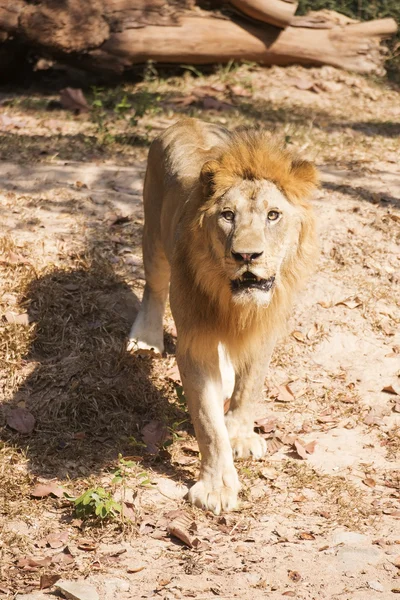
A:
[317,521]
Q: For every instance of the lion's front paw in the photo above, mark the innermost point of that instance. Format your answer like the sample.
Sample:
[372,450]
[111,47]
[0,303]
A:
[218,494]
[250,445]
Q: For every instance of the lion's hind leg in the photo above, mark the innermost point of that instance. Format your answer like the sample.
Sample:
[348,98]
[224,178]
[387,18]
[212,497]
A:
[146,335]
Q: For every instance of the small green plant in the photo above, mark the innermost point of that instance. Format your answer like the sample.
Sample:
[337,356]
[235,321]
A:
[96,502]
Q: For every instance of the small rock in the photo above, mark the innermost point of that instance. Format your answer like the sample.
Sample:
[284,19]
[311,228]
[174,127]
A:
[77,590]
[376,585]
[113,586]
[350,538]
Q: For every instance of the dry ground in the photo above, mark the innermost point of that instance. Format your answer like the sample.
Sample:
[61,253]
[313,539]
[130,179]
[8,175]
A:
[326,526]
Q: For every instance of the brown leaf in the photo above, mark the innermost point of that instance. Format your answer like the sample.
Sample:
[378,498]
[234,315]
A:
[282,393]
[392,389]
[268,473]
[299,336]
[87,545]
[182,100]
[63,558]
[47,580]
[297,388]
[274,445]
[128,511]
[350,302]
[396,407]
[73,99]
[135,569]
[369,482]
[42,490]
[57,539]
[266,425]
[28,563]
[183,527]
[310,447]
[306,535]
[17,319]
[325,304]
[154,434]
[290,594]
[21,420]
[294,576]
[299,447]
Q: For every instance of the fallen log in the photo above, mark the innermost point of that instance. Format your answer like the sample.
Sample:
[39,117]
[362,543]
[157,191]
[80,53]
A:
[116,35]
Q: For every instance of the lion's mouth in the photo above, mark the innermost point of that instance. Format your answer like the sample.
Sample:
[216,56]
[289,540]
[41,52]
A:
[249,281]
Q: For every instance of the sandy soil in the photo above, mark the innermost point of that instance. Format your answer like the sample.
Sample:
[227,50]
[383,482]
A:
[326,526]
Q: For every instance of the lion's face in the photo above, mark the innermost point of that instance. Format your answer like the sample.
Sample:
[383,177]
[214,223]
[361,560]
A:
[252,229]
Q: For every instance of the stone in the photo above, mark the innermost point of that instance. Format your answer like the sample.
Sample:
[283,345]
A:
[350,538]
[77,590]
[376,585]
[115,585]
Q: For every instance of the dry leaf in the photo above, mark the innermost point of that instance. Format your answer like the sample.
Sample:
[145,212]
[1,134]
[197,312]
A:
[282,393]
[396,407]
[369,482]
[298,388]
[294,575]
[350,302]
[299,447]
[154,434]
[290,594]
[325,304]
[73,99]
[135,569]
[58,539]
[274,445]
[28,563]
[266,425]
[183,527]
[392,389]
[42,490]
[299,336]
[47,580]
[17,319]
[63,558]
[21,420]
[87,545]
[128,511]
[268,473]
[306,535]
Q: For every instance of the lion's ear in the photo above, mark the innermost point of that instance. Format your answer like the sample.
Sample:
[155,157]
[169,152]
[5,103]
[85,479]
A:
[207,176]
[305,176]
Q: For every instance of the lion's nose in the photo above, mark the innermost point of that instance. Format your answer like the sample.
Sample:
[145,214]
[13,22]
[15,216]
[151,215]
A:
[246,257]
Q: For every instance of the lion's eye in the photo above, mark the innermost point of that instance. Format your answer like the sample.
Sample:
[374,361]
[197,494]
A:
[228,215]
[273,215]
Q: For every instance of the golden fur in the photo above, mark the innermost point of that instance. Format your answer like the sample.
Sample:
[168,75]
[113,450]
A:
[221,207]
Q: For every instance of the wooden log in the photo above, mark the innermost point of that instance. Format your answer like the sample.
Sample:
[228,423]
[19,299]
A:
[114,36]
[202,40]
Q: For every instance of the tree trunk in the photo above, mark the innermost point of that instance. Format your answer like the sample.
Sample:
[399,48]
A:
[115,35]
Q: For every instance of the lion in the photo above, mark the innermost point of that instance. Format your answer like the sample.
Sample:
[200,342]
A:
[229,233]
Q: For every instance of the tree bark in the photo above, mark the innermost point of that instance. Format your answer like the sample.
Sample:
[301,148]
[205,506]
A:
[115,35]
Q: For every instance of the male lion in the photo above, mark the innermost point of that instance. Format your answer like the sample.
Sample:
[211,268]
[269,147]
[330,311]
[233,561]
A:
[228,223]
